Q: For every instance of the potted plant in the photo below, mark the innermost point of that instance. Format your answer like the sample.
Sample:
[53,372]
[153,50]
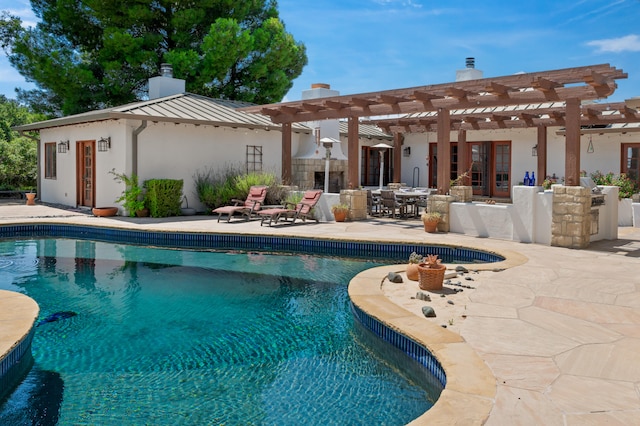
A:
[431,273]
[430,221]
[412,268]
[31,197]
[132,197]
[340,212]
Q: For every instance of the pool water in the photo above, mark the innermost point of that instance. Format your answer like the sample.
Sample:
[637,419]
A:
[169,337]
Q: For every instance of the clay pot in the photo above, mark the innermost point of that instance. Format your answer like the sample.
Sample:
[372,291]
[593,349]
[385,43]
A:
[431,278]
[430,225]
[31,198]
[104,211]
[340,215]
[412,272]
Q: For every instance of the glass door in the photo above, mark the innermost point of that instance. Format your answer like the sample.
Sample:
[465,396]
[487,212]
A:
[631,161]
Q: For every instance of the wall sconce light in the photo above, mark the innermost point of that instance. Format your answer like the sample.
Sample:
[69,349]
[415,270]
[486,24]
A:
[406,152]
[63,146]
[104,144]
[534,151]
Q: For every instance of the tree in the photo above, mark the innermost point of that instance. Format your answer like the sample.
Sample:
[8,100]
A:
[92,54]
[18,162]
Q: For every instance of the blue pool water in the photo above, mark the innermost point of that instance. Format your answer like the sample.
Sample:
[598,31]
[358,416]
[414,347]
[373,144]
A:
[189,337]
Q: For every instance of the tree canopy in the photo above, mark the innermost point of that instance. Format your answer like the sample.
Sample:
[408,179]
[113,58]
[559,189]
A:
[91,54]
[17,153]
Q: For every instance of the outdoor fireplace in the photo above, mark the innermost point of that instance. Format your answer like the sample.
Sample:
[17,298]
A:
[336,181]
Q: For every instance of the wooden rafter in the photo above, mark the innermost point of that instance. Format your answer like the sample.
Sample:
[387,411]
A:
[584,83]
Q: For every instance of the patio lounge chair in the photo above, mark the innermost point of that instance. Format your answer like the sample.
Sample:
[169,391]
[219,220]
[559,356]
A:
[302,210]
[248,207]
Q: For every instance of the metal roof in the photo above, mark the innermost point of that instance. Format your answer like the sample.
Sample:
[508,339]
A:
[365,131]
[186,108]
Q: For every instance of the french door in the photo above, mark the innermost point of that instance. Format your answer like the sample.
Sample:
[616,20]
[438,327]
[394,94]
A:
[370,167]
[85,173]
[491,168]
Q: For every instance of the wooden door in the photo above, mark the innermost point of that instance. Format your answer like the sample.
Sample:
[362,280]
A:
[491,169]
[86,173]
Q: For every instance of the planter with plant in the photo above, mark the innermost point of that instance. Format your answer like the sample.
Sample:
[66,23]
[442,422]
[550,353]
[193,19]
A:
[340,212]
[430,221]
[132,197]
[431,273]
[460,188]
[31,197]
[415,259]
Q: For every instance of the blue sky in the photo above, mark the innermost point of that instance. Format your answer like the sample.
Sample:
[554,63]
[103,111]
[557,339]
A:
[360,46]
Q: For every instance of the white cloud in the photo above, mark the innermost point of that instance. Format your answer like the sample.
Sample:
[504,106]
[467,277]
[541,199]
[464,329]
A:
[404,3]
[630,43]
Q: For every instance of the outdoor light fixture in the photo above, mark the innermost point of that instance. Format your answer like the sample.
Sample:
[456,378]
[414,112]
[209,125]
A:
[534,151]
[104,144]
[590,146]
[63,146]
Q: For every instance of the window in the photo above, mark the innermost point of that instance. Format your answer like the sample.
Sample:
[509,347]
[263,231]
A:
[50,160]
[254,158]
[631,161]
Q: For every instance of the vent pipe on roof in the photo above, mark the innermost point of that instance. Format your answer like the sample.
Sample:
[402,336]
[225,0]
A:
[470,72]
[166,70]
[164,84]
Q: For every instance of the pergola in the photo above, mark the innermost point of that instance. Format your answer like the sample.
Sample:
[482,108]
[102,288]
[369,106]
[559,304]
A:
[541,99]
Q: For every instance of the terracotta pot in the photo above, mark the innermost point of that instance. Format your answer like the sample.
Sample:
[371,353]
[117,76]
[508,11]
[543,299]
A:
[340,215]
[430,225]
[431,278]
[104,211]
[412,272]
[31,198]
[142,212]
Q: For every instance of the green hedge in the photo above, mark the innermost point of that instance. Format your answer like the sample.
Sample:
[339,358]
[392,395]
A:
[164,197]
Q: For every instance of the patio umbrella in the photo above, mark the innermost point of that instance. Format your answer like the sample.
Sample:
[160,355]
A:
[382,148]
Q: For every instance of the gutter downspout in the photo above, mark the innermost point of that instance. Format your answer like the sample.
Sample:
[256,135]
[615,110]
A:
[134,146]
[38,154]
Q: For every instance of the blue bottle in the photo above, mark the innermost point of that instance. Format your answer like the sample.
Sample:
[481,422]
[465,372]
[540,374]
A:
[526,178]
[532,181]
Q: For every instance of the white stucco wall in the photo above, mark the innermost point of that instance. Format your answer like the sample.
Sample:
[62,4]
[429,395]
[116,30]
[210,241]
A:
[165,151]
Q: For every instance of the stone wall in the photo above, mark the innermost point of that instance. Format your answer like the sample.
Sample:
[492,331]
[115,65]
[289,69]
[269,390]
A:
[304,170]
[571,217]
[442,205]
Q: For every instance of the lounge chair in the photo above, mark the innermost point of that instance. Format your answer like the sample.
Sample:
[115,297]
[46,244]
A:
[248,207]
[302,210]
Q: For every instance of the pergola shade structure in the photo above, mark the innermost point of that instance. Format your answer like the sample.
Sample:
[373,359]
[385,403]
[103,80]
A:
[541,99]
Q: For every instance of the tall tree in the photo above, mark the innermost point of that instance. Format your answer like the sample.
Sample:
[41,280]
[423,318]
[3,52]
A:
[91,54]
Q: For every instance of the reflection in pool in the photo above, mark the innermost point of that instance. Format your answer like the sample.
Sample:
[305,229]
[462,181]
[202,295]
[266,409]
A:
[185,337]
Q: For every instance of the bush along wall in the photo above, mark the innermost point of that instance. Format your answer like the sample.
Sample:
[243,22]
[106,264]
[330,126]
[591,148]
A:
[164,197]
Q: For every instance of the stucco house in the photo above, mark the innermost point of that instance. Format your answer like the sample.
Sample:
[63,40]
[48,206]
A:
[175,134]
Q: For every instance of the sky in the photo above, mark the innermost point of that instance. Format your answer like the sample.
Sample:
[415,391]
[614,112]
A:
[360,46]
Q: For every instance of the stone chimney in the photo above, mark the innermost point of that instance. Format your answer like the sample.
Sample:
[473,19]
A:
[164,84]
[470,72]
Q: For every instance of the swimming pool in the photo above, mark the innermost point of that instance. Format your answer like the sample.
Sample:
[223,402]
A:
[190,337]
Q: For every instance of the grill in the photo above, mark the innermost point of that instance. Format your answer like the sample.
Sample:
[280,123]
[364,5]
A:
[597,197]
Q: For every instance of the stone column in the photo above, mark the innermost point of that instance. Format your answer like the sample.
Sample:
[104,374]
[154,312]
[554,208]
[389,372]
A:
[441,204]
[356,199]
[571,217]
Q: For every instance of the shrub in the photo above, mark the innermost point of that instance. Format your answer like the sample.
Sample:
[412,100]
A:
[627,186]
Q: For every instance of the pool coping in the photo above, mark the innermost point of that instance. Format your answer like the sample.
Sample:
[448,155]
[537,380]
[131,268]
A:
[469,394]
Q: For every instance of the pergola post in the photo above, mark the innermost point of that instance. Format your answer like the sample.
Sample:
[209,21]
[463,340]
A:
[286,153]
[572,143]
[463,158]
[444,150]
[542,155]
[353,181]
[397,158]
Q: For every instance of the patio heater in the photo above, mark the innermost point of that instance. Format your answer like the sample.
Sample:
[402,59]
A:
[328,144]
[382,148]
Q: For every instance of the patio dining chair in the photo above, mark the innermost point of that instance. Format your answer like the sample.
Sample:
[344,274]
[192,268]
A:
[248,207]
[291,212]
[391,204]
[373,203]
